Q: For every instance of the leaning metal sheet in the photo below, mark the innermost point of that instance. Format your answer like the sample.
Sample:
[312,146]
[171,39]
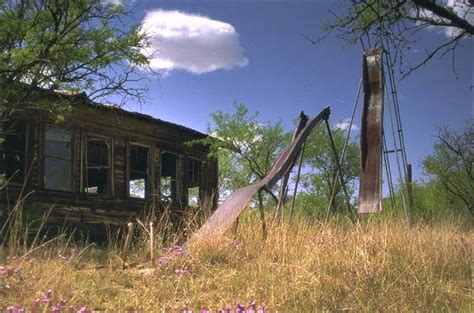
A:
[237,201]
[370,186]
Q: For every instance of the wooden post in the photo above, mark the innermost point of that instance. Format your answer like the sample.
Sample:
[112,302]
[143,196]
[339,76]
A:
[298,174]
[341,174]
[262,215]
[152,245]
[409,208]
[128,241]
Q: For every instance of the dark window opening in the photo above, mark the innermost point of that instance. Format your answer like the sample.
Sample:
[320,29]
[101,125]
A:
[168,177]
[12,149]
[57,159]
[137,183]
[194,172]
[193,197]
[98,167]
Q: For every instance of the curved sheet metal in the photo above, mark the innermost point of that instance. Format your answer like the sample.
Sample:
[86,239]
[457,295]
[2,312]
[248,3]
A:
[237,201]
[370,187]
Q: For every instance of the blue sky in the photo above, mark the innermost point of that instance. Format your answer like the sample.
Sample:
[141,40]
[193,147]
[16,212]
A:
[266,64]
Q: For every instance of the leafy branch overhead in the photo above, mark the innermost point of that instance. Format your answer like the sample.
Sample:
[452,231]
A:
[397,25]
[75,46]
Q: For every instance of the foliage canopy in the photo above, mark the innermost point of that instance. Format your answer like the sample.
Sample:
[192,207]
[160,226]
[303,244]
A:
[74,46]
[396,24]
[451,164]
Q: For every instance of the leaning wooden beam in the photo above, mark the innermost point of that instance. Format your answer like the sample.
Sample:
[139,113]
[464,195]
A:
[370,187]
[237,201]
[284,183]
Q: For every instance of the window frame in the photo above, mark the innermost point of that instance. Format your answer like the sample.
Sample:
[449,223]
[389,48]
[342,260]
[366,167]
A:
[176,197]
[44,156]
[198,181]
[110,168]
[129,170]
[26,153]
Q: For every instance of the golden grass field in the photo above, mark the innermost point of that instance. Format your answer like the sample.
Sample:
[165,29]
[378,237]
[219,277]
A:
[303,266]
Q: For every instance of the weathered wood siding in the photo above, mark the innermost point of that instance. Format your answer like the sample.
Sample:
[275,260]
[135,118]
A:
[120,129]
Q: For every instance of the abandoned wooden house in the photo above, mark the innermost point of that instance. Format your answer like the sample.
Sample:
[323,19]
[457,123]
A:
[103,164]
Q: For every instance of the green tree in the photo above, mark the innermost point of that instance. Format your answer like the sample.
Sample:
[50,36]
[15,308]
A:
[321,170]
[246,148]
[74,46]
[396,24]
[451,164]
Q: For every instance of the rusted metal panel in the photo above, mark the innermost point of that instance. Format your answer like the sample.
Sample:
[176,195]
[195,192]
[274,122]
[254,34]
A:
[237,201]
[370,187]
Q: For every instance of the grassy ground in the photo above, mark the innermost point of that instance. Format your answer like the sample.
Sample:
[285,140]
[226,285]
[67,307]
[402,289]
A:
[302,267]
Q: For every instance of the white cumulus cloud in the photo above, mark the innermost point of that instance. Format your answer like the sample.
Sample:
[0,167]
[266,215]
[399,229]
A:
[344,125]
[189,42]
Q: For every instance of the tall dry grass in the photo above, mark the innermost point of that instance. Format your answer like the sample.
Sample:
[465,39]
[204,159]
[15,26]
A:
[375,265]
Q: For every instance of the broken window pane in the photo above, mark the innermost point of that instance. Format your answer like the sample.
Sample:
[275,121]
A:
[138,171]
[97,181]
[168,177]
[137,188]
[194,172]
[57,159]
[12,149]
[193,197]
[97,167]
[166,194]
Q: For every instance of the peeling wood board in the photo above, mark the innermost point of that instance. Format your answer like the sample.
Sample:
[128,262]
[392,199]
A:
[236,202]
[370,186]
[303,119]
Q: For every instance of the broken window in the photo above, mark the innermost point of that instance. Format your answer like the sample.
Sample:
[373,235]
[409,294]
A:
[57,159]
[194,180]
[193,197]
[168,177]
[138,171]
[98,167]
[194,172]
[12,149]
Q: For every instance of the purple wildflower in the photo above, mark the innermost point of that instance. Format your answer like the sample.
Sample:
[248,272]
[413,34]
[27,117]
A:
[181,271]
[13,309]
[84,310]
[55,309]
[253,305]
[240,308]
[61,303]
[35,305]
[175,250]
[226,310]
[163,260]
[6,272]
[47,296]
